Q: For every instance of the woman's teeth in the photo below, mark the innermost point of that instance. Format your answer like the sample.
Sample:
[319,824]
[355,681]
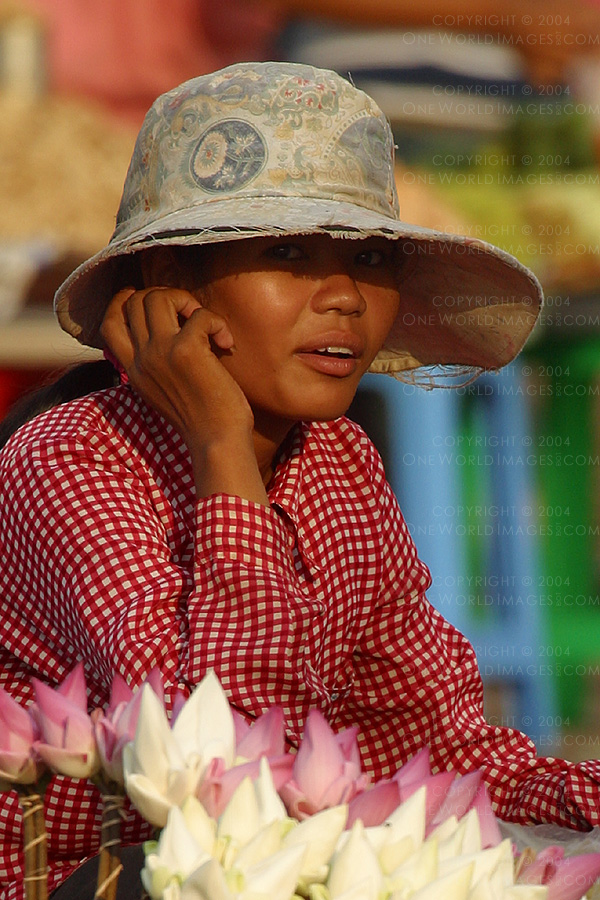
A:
[335,351]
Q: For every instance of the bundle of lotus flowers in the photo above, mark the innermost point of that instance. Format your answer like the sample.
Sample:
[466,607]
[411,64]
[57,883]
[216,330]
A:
[241,818]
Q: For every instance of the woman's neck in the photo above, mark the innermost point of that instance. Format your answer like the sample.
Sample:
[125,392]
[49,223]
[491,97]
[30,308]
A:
[267,442]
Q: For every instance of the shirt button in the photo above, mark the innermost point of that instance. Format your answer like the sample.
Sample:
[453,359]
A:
[335,695]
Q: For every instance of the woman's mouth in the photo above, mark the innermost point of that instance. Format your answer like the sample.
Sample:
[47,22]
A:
[330,360]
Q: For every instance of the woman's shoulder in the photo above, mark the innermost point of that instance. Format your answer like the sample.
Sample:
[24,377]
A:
[347,449]
[346,437]
[85,420]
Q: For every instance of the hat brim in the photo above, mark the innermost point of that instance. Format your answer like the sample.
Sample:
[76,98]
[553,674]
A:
[464,303]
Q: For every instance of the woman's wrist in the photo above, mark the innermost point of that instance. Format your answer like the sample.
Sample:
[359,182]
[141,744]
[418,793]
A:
[228,466]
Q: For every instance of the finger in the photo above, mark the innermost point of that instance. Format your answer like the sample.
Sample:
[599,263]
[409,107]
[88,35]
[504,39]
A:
[114,329]
[189,305]
[164,310]
[214,327]
[182,302]
[135,314]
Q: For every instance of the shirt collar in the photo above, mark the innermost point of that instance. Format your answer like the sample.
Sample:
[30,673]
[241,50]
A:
[287,488]
[286,482]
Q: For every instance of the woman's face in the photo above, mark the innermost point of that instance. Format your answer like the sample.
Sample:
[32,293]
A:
[308,315]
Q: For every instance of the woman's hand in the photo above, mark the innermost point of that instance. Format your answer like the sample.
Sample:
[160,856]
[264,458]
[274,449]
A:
[169,345]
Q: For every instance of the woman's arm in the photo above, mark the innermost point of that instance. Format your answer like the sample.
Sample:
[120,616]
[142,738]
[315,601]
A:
[417,684]
[102,566]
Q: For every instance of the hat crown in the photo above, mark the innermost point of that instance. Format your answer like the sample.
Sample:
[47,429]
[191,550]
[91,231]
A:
[257,130]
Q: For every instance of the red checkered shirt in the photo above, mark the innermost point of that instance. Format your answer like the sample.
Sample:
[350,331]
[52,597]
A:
[320,601]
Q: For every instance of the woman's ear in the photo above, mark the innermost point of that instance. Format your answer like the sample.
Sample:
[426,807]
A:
[161,268]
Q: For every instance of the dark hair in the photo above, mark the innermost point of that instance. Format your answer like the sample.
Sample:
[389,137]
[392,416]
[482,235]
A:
[90,376]
[75,382]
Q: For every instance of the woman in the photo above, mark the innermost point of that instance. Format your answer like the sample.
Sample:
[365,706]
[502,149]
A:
[216,509]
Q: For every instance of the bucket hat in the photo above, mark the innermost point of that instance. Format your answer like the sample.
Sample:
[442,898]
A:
[260,149]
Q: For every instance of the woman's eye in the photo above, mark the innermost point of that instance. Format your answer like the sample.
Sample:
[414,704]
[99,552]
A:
[285,252]
[370,258]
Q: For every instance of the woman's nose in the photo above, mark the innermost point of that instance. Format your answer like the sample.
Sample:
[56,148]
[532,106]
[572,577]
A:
[338,292]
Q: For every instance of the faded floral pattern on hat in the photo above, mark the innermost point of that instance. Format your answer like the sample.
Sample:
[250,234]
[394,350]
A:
[256,133]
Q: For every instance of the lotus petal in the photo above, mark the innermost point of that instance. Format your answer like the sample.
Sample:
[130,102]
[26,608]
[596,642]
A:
[68,743]
[466,838]
[495,863]
[265,843]
[319,760]
[270,806]
[525,892]
[408,820]
[275,877]
[240,820]
[444,830]
[460,797]
[177,855]
[62,722]
[541,867]
[200,825]
[347,741]
[204,725]
[319,835]
[120,693]
[218,784]
[418,870]
[15,722]
[208,882]
[416,769]
[573,876]
[451,887]
[156,774]
[394,853]
[266,737]
[361,891]
[488,823]
[69,762]
[355,862]
[375,805]
[483,890]
[19,762]
[437,787]
[151,803]
[73,687]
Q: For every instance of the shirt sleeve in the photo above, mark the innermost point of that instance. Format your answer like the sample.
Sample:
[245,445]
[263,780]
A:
[417,683]
[248,613]
[93,575]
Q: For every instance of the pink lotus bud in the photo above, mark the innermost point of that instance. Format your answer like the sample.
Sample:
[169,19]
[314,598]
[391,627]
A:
[19,763]
[68,745]
[326,769]
[115,728]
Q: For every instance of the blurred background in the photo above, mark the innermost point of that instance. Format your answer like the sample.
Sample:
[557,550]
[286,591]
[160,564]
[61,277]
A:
[495,109]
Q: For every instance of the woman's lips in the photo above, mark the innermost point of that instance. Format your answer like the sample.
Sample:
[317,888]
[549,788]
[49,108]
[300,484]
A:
[338,366]
[332,353]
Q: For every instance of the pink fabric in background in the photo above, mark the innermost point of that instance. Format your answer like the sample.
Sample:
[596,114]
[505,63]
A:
[123,53]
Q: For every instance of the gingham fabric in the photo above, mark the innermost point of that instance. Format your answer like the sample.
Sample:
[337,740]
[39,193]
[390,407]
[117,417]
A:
[317,601]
